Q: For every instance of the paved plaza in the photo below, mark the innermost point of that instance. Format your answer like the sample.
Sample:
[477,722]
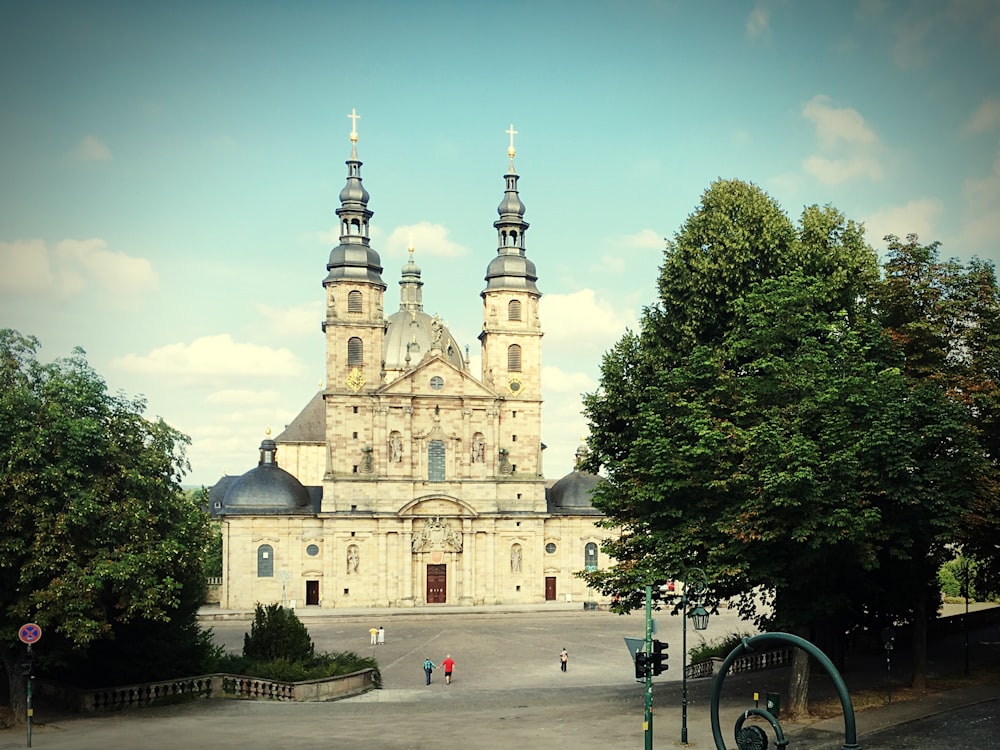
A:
[508,691]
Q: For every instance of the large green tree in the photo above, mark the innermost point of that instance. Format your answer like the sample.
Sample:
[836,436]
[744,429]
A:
[98,543]
[750,428]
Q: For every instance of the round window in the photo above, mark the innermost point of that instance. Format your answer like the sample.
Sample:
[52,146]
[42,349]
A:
[312,550]
[550,548]
[437,382]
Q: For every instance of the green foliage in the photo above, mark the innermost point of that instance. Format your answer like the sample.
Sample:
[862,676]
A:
[277,633]
[318,667]
[97,540]
[765,426]
[956,577]
[213,554]
[717,647]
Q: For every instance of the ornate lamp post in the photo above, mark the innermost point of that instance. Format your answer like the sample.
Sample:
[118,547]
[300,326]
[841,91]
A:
[699,615]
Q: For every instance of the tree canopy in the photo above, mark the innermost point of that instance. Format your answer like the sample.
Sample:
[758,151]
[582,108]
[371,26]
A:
[766,425]
[98,543]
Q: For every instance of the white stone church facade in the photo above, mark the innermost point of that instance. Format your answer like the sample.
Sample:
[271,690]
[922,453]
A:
[408,481]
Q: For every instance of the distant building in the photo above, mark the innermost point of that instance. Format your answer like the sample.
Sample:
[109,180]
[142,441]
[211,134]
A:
[409,481]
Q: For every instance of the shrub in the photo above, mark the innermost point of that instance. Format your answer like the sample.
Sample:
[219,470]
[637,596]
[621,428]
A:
[276,633]
[720,647]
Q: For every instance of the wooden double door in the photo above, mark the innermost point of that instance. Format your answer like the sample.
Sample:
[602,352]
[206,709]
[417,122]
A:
[437,584]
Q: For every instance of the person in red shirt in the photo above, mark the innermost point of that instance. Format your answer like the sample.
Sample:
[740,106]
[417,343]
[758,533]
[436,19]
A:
[449,665]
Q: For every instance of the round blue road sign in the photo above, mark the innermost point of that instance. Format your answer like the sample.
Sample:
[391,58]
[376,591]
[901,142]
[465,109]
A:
[29,633]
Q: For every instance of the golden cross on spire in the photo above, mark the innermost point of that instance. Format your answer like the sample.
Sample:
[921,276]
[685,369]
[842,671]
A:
[354,117]
[510,131]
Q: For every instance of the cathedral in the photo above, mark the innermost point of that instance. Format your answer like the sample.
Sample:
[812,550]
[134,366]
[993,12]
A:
[408,481]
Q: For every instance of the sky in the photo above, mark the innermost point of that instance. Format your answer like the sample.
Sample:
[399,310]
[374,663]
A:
[170,172]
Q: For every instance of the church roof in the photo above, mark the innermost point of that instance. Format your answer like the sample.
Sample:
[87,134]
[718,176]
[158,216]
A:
[265,490]
[310,424]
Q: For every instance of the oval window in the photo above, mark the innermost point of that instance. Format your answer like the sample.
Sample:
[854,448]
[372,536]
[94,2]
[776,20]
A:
[550,548]
[312,550]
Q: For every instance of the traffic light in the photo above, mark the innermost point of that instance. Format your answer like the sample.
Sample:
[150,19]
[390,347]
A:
[658,659]
[641,665]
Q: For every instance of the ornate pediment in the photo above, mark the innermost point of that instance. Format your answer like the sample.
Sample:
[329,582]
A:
[437,535]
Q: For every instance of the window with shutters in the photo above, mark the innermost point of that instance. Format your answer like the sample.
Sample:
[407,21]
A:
[514,309]
[435,461]
[354,301]
[355,352]
[514,358]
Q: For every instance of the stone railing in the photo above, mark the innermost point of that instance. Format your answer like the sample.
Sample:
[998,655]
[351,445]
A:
[750,662]
[209,686]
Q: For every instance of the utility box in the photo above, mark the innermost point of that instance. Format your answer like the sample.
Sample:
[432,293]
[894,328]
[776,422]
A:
[773,704]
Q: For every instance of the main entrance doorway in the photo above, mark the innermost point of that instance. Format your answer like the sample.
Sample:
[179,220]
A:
[312,592]
[437,584]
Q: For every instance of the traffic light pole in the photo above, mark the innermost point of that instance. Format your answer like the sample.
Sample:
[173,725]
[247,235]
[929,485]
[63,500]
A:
[648,716]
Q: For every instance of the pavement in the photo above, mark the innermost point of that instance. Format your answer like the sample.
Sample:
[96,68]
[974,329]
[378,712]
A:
[508,690]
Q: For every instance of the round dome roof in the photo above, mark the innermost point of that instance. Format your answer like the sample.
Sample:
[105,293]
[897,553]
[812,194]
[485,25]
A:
[266,489]
[573,492]
[412,333]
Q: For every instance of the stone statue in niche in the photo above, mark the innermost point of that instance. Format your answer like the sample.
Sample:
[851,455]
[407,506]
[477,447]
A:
[478,449]
[353,558]
[515,559]
[367,460]
[505,467]
[395,448]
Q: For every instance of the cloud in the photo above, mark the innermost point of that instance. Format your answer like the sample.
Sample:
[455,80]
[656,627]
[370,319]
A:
[73,267]
[300,320]
[426,238]
[836,125]
[982,203]
[210,358]
[757,22]
[557,380]
[849,146]
[242,396]
[582,325]
[91,149]
[985,118]
[916,217]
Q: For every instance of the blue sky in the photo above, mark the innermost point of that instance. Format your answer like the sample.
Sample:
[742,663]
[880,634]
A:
[169,172]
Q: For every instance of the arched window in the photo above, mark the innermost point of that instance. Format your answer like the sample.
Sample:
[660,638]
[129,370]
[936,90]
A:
[590,556]
[355,352]
[265,561]
[354,301]
[435,461]
[514,309]
[514,358]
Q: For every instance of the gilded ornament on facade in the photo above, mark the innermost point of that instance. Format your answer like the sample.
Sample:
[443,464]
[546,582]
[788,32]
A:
[356,381]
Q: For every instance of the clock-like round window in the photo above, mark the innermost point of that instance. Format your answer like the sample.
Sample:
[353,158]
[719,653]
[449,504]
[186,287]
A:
[312,550]
[550,548]
[437,382]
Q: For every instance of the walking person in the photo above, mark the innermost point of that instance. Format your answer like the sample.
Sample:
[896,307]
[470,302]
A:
[381,636]
[373,632]
[563,659]
[449,666]
[429,667]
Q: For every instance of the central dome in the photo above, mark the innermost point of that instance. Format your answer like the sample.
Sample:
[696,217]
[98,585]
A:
[413,334]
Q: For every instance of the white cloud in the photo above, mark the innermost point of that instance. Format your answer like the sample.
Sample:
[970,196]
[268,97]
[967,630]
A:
[91,149]
[985,118]
[837,124]
[757,22]
[582,325]
[212,357]
[73,267]
[426,238]
[242,396]
[300,320]
[557,380]
[982,202]
[916,217]
[835,171]
[848,145]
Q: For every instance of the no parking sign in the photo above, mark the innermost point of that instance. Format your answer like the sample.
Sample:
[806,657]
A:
[29,633]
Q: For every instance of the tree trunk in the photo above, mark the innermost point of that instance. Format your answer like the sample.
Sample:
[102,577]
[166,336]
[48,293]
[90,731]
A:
[920,643]
[798,685]
[18,684]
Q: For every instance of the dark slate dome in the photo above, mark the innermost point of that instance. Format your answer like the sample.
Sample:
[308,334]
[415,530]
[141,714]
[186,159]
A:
[267,489]
[574,492]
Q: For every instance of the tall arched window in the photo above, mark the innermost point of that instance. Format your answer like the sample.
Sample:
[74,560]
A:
[355,352]
[435,461]
[265,561]
[514,358]
[590,556]
[354,301]
[514,309]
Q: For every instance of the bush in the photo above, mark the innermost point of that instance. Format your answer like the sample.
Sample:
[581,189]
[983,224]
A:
[720,647]
[276,633]
[316,668]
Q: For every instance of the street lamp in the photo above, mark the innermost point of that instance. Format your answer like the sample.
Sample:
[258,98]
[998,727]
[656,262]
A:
[699,615]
